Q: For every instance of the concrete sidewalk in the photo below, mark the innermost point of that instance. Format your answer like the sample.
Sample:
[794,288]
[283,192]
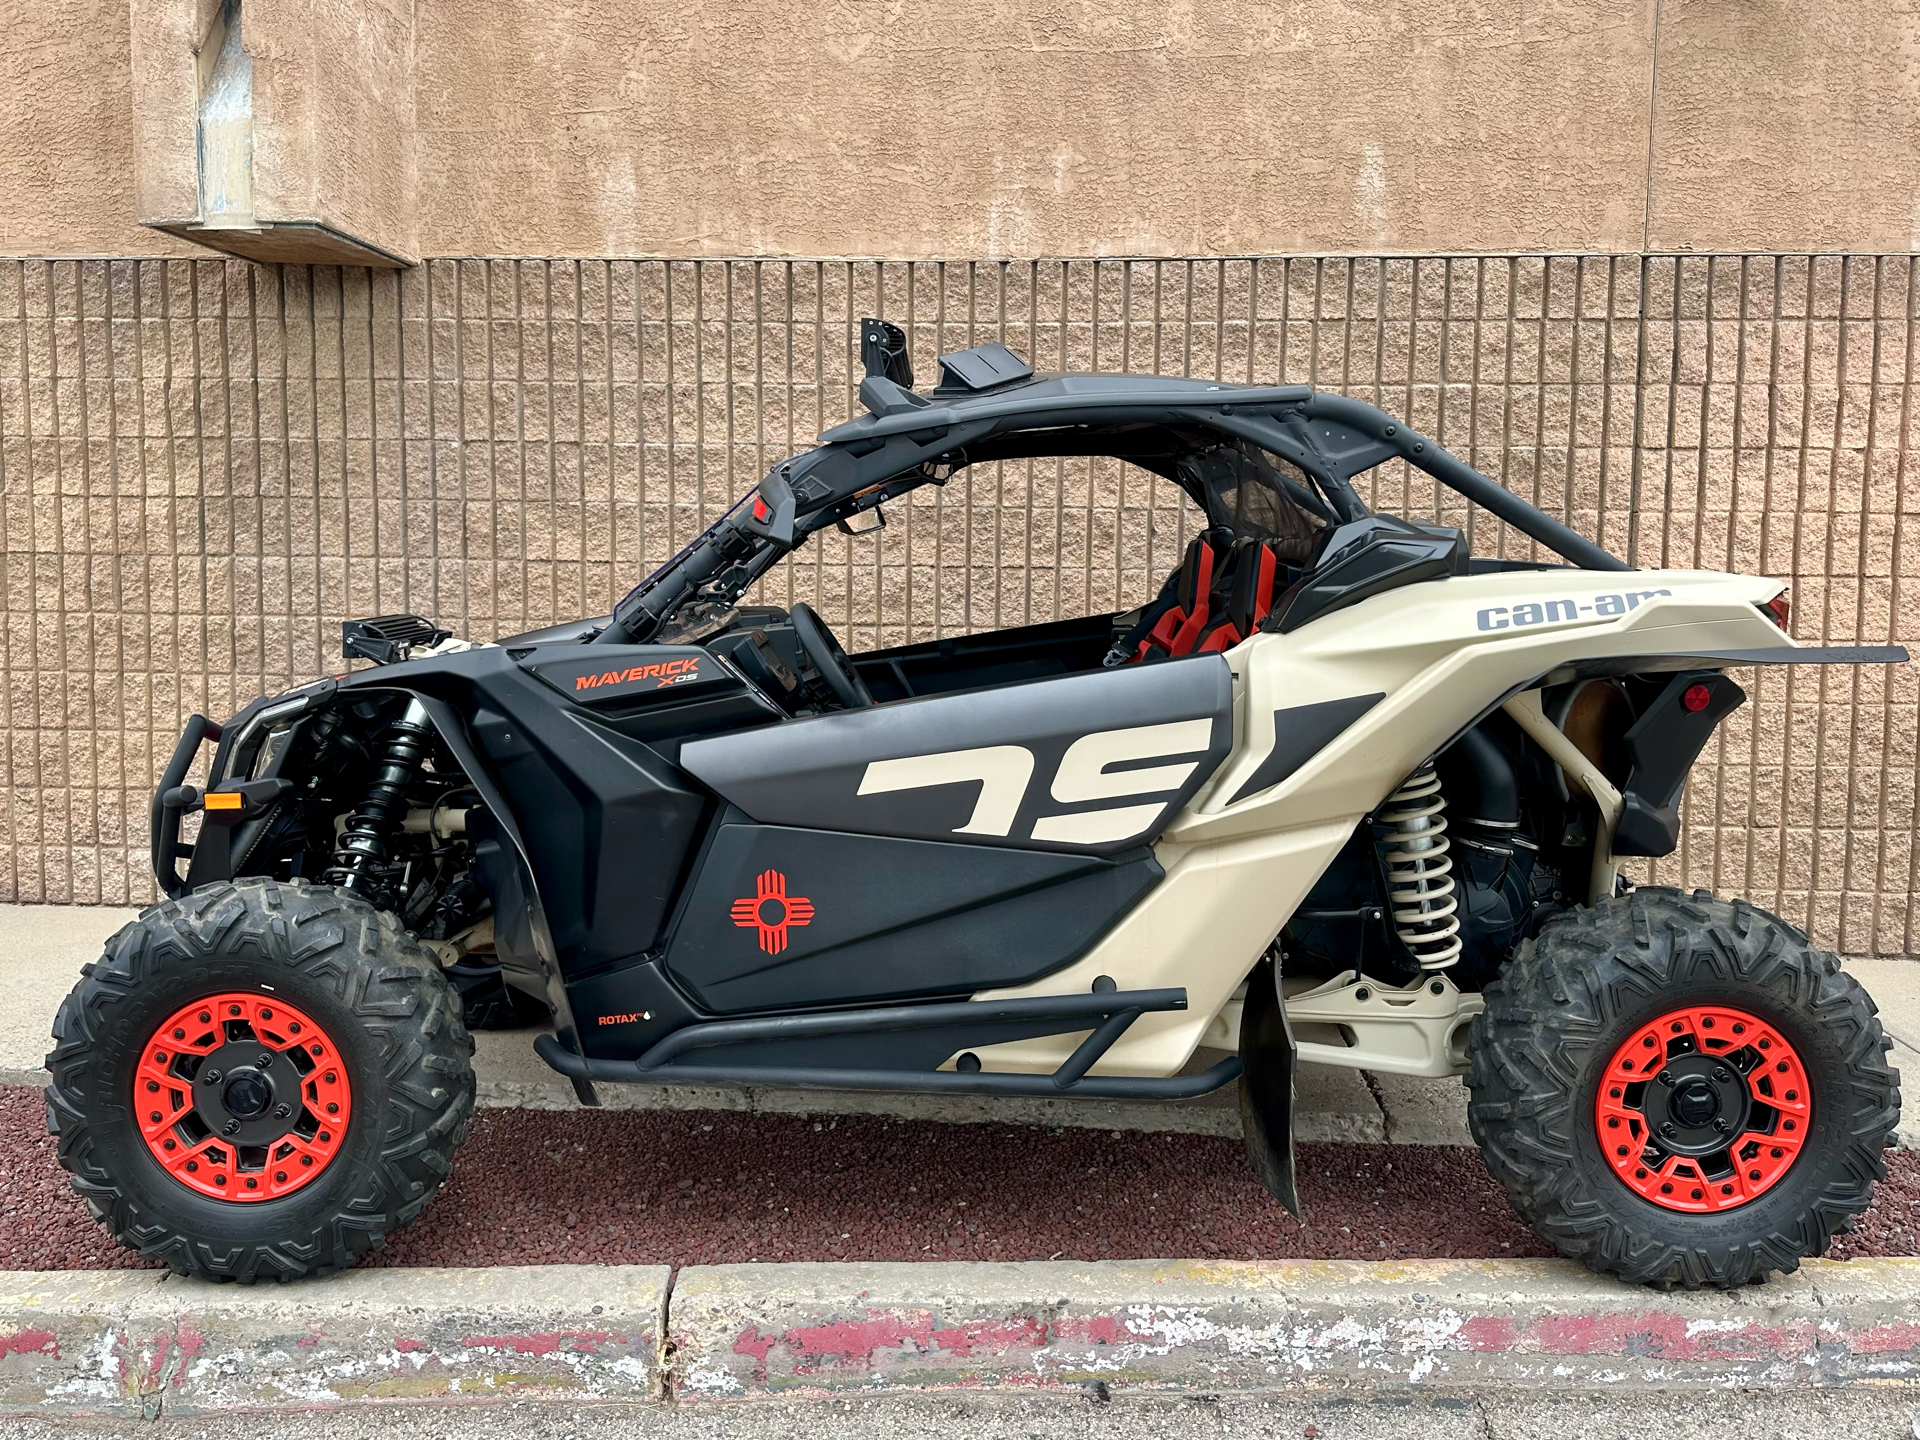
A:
[42,948]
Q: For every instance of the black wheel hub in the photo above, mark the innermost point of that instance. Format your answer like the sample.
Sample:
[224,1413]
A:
[247,1093]
[1696,1105]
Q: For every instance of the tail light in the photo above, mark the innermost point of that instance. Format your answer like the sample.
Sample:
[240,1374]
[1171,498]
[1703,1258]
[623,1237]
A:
[1780,610]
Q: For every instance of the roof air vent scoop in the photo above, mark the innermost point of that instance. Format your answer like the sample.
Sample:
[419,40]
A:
[985,367]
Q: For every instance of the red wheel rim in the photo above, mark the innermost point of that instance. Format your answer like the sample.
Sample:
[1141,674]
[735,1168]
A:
[242,1097]
[1703,1109]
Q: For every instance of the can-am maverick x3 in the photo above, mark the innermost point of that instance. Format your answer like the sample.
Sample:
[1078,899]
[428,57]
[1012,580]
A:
[1342,794]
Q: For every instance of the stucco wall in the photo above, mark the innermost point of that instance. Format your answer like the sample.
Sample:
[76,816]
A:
[1783,124]
[980,127]
[985,128]
[333,123]
[66,133]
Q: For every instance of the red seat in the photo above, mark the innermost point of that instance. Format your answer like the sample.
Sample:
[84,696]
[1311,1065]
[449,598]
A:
[1180,623]
[1217,598]
[1251,571]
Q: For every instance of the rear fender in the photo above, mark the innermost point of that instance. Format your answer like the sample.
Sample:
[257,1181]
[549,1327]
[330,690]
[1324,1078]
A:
[1663,744]
[1333,716]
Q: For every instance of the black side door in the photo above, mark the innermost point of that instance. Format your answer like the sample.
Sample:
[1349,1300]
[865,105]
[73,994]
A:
[943,845]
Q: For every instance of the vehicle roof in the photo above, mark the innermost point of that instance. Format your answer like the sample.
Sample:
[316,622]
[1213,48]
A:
[1068,398]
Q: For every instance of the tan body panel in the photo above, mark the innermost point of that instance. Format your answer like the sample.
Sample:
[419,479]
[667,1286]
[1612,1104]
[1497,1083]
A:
[1442,653]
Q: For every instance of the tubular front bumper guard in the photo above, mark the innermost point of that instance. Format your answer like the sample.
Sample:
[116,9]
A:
[173,801]
[225,806]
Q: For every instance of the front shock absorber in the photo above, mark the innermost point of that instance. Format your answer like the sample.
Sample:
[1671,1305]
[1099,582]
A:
[360,861]
[1420,889]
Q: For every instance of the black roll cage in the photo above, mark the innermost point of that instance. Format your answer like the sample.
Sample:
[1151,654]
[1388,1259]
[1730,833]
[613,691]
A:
[910,440]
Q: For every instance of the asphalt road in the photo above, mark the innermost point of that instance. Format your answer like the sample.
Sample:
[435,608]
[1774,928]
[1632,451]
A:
[1858,1414]
[719,1187]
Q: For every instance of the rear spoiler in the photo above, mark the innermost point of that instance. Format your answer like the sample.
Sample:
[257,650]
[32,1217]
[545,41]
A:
[1813,655]
[1722,659]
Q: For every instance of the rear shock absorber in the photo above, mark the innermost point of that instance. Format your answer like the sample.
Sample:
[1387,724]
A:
[1420,890]
[360,862]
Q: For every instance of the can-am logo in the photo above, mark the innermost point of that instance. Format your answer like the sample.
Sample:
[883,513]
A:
[664,673]
[1548,612]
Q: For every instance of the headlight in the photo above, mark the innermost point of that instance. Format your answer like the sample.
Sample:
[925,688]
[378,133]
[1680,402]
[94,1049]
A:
[271,749]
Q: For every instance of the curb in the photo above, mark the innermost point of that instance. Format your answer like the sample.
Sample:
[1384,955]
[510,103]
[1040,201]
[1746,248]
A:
[742,1331]
[138,1343]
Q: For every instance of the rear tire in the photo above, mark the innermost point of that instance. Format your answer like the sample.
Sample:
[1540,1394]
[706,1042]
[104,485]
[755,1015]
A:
[1600,982]
[360,985]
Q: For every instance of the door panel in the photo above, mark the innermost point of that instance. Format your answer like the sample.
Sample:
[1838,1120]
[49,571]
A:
[785,917]
[1095,763]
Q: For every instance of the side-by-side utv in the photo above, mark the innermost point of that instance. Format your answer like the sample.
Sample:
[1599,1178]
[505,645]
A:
[1342,794]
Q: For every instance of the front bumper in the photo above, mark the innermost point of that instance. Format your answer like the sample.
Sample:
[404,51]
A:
[209,857]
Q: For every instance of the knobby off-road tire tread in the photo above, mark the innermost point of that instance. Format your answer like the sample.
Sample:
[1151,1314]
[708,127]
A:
[1552,1020]
[389,986]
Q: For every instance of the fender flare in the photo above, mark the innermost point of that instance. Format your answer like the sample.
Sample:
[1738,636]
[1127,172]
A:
[453,733]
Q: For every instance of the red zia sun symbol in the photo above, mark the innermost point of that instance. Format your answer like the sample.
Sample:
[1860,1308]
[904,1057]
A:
[771,910]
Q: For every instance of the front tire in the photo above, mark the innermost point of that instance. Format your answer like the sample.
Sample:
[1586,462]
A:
[1637,1086]
[263,1080]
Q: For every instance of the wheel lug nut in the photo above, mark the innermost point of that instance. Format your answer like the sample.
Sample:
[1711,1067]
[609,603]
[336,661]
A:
[1722,1075]
[232,1127]
[212,1077]
[281,1112]
[264,1062]
[1668,1130]
[1722,1125]
[1666,1077]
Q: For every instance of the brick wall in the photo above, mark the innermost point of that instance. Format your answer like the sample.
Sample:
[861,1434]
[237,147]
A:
[207,465]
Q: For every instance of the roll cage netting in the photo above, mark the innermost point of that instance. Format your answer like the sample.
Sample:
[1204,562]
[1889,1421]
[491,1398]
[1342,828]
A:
[1273,462]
